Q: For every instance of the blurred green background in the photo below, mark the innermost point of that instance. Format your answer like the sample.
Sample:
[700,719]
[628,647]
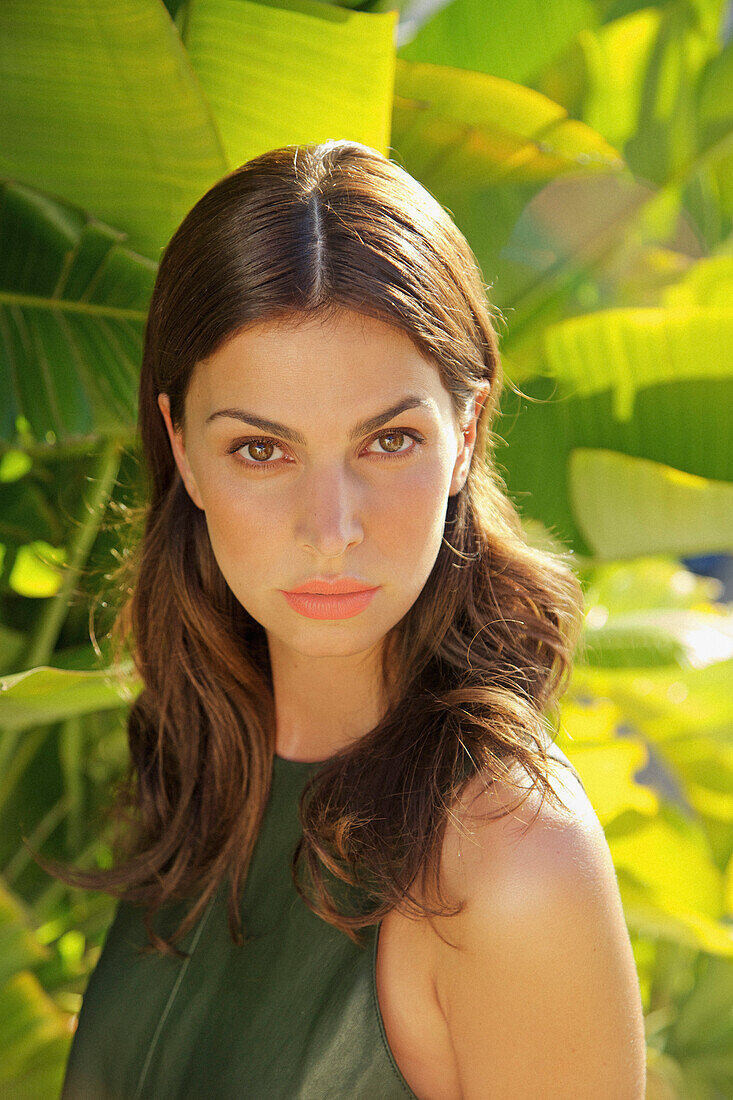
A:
[585,148]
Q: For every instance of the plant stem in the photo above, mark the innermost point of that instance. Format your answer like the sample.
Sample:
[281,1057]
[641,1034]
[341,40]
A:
[50,623]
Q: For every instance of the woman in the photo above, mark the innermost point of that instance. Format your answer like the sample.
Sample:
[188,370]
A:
[349,655]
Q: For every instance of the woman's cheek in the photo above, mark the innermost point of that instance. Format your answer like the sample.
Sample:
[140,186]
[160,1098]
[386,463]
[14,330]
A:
[244,528]
[412,525]
[423,496]
[241,527]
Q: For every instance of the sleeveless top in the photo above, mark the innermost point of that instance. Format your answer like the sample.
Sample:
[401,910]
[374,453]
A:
[292,1014]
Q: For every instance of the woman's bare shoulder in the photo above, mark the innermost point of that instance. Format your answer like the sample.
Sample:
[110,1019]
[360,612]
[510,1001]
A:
[536,978]
[494,834]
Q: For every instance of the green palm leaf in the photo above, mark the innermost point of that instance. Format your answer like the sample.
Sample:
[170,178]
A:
[73,300]
[459,132]
[254,62]
[35,1034]
[489,36]
[42,695]
[648,384]
[101,108]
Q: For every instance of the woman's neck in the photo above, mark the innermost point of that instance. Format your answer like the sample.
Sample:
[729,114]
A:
[324,704]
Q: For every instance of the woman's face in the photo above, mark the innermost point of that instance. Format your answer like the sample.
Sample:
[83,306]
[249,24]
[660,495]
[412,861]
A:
[317,492]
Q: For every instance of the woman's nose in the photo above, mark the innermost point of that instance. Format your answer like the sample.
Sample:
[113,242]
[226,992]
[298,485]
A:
[330,513]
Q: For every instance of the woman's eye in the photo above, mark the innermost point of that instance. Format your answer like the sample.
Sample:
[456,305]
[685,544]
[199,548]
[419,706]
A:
[397,449]
[260,450]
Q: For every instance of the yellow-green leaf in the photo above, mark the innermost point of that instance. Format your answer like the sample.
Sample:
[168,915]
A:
[101,107]
[671,858]
[624,351]
[646,507]
[292,72]
[514,41]
[463,130]
[36,571]
[709,282]
[44,694]
[666,704]
[608,771]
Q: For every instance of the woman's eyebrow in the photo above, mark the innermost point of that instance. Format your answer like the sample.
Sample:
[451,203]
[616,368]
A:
[411,401]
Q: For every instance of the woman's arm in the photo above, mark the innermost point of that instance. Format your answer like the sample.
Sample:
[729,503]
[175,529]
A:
[541,997]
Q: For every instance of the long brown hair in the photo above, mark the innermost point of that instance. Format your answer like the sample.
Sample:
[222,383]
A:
[475,668]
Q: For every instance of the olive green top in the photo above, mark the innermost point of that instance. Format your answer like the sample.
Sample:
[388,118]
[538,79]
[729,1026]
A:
[292,1014]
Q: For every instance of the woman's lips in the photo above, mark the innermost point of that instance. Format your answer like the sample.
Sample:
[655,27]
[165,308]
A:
[316,606]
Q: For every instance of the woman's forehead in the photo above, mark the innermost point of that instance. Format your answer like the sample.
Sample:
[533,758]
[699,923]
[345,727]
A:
[344,332]
[355,362]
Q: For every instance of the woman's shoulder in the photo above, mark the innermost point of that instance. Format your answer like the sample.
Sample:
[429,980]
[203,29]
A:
[535,976]
[504,841]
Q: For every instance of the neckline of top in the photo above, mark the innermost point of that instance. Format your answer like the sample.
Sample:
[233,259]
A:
[283,761]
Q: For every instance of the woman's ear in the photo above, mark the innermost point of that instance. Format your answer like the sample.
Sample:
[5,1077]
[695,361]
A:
[179,451]
[468,441]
